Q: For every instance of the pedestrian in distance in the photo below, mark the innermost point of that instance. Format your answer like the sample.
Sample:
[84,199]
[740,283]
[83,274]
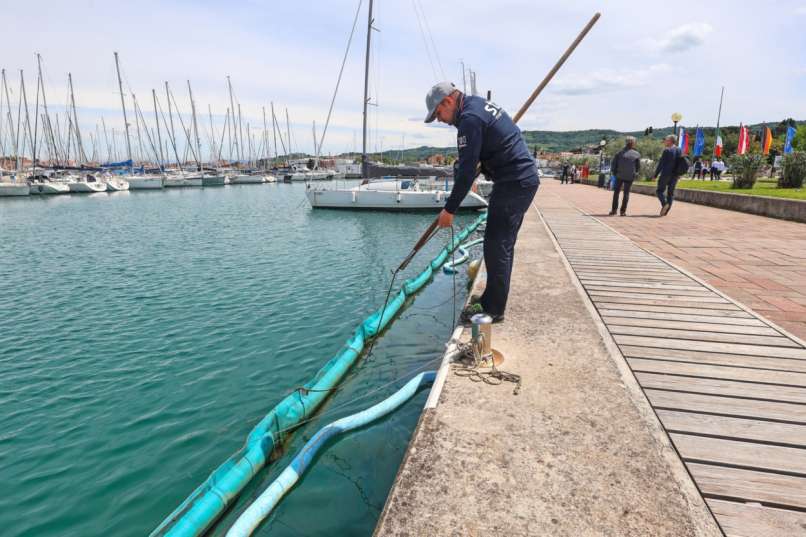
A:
[565,174]
[671,166]
[486,135]
[625,167]
[697,169]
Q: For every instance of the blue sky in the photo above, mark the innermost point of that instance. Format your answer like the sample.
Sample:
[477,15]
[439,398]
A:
[641,62]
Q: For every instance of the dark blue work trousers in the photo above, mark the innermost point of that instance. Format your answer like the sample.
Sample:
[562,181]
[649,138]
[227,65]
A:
[508,203]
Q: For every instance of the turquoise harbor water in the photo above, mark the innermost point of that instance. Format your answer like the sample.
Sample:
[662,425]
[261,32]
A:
[145,333]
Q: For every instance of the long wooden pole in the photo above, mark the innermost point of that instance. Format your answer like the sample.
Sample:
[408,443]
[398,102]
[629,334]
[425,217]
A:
[556,67]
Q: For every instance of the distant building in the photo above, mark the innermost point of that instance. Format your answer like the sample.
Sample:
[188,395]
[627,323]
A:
[437,159]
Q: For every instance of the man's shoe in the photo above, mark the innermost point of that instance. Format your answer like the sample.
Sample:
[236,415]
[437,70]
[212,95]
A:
[474,309]
[665,209]
[622,213]
[611,213]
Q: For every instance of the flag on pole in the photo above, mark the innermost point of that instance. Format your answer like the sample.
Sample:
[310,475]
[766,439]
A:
[790,134]
[718,146]
[766,140]
[744,140]
[682,140]
[699,142]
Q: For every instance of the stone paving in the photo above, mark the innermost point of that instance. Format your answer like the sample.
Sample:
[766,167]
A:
[758,261]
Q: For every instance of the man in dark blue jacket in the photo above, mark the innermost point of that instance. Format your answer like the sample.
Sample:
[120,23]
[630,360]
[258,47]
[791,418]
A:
[487,136]
[667,169]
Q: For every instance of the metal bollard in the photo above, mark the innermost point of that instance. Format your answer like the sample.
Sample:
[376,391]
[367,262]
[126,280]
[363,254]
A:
[482,334]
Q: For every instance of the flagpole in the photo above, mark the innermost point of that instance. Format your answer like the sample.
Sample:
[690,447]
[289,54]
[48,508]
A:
[718,117]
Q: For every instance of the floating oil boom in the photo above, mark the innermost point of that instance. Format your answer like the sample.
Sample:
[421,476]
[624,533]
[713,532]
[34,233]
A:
[201,509]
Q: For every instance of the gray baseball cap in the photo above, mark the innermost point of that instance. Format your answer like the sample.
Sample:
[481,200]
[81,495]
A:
[435,96]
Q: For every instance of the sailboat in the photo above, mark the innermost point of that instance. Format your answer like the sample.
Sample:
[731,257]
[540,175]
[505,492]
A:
[397,194]
[8,184]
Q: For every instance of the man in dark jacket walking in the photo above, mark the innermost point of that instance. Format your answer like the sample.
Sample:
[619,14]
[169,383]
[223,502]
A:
[667,169]
[625,167]
[487,135]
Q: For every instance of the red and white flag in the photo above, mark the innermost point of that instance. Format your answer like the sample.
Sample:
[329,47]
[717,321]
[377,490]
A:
[718,146]
[744,140]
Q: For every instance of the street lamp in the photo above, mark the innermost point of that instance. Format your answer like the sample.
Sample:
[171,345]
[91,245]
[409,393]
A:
[676,117]
[602,145]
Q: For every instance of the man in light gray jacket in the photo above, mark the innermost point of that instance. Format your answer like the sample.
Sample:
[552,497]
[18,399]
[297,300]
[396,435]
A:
[625,167]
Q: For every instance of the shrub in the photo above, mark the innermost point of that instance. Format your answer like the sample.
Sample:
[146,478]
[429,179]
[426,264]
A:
[794,170]
[745,169]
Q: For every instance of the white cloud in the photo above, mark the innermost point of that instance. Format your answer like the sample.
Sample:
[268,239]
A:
[682,38]
[606,80]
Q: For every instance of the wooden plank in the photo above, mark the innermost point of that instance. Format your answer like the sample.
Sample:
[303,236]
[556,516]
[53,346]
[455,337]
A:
[589,274]
[738,453]
[653,285]
[696,335]
[657,290]
[710,346]
[729,427]
[698,326]
[727,306]
[745,374]
[728,406]
[733,314]
[716,358]
[713,318]
[666,297]
[727,388]
[751,520]
[749,485]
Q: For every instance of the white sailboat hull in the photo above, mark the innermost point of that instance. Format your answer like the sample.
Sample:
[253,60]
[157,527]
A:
[387,200]
[146,183]
[83,187]
[213,180]
[49,188]
[246,179]
[176,182]
[14,189]
[116,185]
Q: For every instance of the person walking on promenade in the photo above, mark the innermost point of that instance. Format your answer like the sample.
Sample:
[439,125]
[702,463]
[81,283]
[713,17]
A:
[565,174]
[669,170]
[697,170]
[625,166]
[487,135]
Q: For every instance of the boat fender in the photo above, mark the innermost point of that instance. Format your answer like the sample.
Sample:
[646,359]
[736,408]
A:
[355,196]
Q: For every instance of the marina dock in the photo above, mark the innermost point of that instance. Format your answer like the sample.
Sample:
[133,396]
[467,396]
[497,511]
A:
[651,402]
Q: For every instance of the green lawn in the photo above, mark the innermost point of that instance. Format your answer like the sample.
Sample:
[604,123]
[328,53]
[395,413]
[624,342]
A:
[761,188]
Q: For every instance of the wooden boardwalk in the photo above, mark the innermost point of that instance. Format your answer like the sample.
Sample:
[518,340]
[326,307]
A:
[729,388]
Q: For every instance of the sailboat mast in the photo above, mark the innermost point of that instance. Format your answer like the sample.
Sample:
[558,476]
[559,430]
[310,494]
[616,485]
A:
[195,127]
[364,170]
[232,124]
[274,128]
[81,153]
[15,135]
[240,134]
[265,141]
[159,135]
[212,133]
[288,129]
[36,122]
[125,120]
[24,96]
